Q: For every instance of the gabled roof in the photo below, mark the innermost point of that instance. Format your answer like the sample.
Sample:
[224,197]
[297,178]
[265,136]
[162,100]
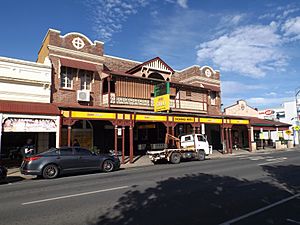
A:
[138,67]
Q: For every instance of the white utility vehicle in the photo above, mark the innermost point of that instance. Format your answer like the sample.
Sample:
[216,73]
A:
[190,146]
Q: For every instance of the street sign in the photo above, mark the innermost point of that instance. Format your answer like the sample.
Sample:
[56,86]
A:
[297,128]
[161,89]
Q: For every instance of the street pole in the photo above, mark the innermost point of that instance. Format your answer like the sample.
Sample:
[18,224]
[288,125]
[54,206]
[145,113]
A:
[297,114]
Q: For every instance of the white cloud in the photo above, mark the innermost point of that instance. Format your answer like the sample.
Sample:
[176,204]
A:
[108,16]
[234,87]
[250,50]
[182,3]
[291,28]
[262,102]
[273,94]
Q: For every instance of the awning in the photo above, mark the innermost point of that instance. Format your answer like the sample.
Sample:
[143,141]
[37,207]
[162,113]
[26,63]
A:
[78,64]
[17,107]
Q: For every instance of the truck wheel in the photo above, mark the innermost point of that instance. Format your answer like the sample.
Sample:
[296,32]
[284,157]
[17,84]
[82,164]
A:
[201,155]
[175,158]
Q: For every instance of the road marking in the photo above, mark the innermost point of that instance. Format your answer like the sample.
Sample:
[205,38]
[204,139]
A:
[260,210]
[272,162]
[75,195]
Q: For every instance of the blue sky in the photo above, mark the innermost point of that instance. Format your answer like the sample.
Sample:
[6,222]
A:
[255,44]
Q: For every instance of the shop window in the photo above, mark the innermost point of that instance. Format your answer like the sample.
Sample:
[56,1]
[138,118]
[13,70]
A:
[66,77]
[85,79]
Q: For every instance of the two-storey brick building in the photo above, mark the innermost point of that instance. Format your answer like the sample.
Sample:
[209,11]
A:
[107,102]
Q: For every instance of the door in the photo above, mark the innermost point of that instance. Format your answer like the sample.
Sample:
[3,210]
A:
[67,159]
[86,159]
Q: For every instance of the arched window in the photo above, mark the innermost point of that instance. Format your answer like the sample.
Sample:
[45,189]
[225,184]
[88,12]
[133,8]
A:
[156,76]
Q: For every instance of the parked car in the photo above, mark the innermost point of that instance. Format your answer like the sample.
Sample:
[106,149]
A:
[58,161]
[3,173]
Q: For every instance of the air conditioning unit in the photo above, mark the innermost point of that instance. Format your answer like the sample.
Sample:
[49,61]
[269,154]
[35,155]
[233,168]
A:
[83,96]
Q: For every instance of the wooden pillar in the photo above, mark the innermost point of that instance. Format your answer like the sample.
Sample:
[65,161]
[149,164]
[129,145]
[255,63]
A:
[60,131]
[230,140]
[261,135]
[249,139]
[116,140]
[131,143]
[227,140]
[123,145]
[69,135]
[194,129]
[108,85]
[222,139]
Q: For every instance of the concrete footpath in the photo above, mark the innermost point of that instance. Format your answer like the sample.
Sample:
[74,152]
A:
[142,161]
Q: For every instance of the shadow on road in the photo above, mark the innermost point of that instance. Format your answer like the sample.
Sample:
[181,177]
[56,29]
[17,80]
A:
[198,199]
[11,179]
[285,175]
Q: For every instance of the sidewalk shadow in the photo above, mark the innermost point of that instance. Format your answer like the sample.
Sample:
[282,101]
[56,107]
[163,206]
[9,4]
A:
[193,199]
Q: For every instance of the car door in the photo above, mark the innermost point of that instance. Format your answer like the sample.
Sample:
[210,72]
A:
[86,159]
[67,160]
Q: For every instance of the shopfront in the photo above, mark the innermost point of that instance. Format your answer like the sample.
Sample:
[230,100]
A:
[19,122]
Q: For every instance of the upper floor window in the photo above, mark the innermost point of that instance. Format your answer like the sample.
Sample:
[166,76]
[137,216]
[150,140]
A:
[66,77]
[213,96]
[85,79]
[188,93]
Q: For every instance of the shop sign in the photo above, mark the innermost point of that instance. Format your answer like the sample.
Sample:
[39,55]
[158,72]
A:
[29,125]
[210,120]
[93,115]
[269,112]
[181,119]
[288,132]
[162,103]
[297,128]
[161,89]
[150,118]
[239,121]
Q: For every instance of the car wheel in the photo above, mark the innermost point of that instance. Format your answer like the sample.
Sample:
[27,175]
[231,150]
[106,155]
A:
[107,166]
[201,155]
[175,158]
[50,171]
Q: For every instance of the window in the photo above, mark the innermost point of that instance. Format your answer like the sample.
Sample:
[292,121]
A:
[66,77]
[213,98]
[201,138]
[187,138]
[85,79]
[188,93]
[66,151]
[82,151]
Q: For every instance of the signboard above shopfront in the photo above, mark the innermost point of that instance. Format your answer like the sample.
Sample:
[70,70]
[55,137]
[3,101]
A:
[29,125]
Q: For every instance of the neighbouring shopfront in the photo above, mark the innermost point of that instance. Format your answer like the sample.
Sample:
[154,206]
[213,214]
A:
[19,123]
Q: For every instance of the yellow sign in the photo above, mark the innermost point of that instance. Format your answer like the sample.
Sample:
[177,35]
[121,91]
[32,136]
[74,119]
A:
[288,132]
[93,115]
[181,119]
[162,103]
[297,128]
[65,113]
[210,120]
[239,121]
[150,118]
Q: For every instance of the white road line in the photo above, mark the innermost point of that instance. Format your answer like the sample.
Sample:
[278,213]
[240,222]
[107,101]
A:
[273,162]
[75,195]
[260,210]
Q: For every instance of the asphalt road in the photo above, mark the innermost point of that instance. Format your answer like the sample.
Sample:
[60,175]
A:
[261,188]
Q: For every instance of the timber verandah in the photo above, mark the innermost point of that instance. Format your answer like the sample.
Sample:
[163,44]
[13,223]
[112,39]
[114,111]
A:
[127,120]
